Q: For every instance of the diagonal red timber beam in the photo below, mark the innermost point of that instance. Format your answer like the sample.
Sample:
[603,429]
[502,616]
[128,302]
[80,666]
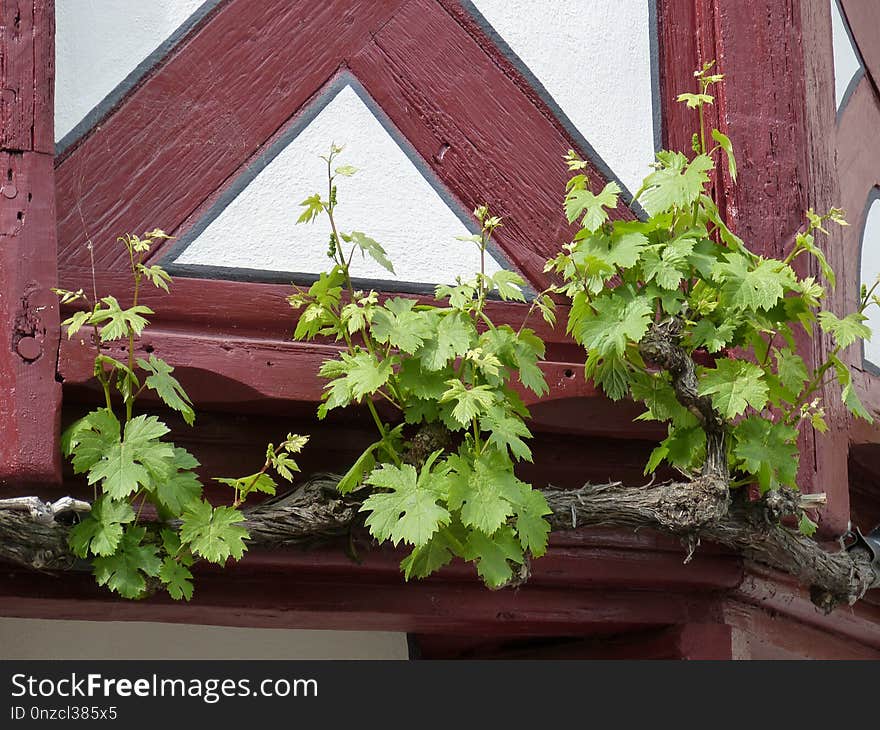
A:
[30,397]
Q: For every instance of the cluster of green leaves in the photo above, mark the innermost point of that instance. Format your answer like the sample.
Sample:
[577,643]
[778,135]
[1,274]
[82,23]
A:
[130,464]
[449,365]
[684,263]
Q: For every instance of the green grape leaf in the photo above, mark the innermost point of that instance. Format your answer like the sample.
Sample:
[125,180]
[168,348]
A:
[528,349]
[156,275]
[791,370]
[530,507]
[724,142]
[313,206]
[668,264]
[676,183]
[370,247]
[119,322]
[848,393]
[656,392]
[493,555]
[89,438]
[711,336]
[734,385]
[470,403]
[75,321]
[806,526]
[766,450]
[845,331]
[509,285]
[430,557]
[252,483]
[167,387]
[683,447]
[214,533]
[354,477]
[101,531]
[408,512]
[124,570]
[397,324]
[582,201]
[353,377]
[177,579]
[506,431]
[481,493]
[453,337]
[748,286]
[614,321]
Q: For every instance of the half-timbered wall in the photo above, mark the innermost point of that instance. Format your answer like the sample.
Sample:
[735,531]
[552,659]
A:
[206,119]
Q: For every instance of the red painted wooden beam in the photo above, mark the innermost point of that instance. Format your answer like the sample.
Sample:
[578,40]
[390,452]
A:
[399,51]
[573,591]
[30,397]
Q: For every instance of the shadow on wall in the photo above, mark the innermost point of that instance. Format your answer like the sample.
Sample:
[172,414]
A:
[44,639]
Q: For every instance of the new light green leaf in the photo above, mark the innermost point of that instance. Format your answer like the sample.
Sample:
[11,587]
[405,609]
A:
[593,207]
[754,287]
[613,322]
[372,248]
[101,530]
[409,511]
[846,331]
[479,492]
[724,142]
[453,338]
[469,402]
[734,385]
[767,450]
[493,555]
[167,387]
[214,533]
[119,321]
[396,323]
[676,183]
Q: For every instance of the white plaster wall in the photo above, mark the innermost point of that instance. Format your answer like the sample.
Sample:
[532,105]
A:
[99,42]
[42,639]
[594,58]
[388,199]
[846,60]
[870,271]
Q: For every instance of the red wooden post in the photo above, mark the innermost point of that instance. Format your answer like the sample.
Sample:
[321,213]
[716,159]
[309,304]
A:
[30,396]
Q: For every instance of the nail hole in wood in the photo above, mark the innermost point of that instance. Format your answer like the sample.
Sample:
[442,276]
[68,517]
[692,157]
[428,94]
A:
[441,153]
[569,373]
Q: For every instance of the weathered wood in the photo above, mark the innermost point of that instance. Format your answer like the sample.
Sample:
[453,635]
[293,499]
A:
[863,17]
[430,72]
[315,512]
[207,110]
[30,397]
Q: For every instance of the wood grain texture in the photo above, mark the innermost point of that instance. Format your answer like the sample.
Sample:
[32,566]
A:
[30,398]
[441,87]
[863,17]
[201,115]
[774,107]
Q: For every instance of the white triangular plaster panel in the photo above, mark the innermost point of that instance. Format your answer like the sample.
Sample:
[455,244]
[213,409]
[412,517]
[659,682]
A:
[388,199]
[98,43]
[846,59]
[594,58]
[870,271]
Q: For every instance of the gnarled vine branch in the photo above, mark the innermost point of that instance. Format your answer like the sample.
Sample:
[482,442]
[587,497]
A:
[315,511]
